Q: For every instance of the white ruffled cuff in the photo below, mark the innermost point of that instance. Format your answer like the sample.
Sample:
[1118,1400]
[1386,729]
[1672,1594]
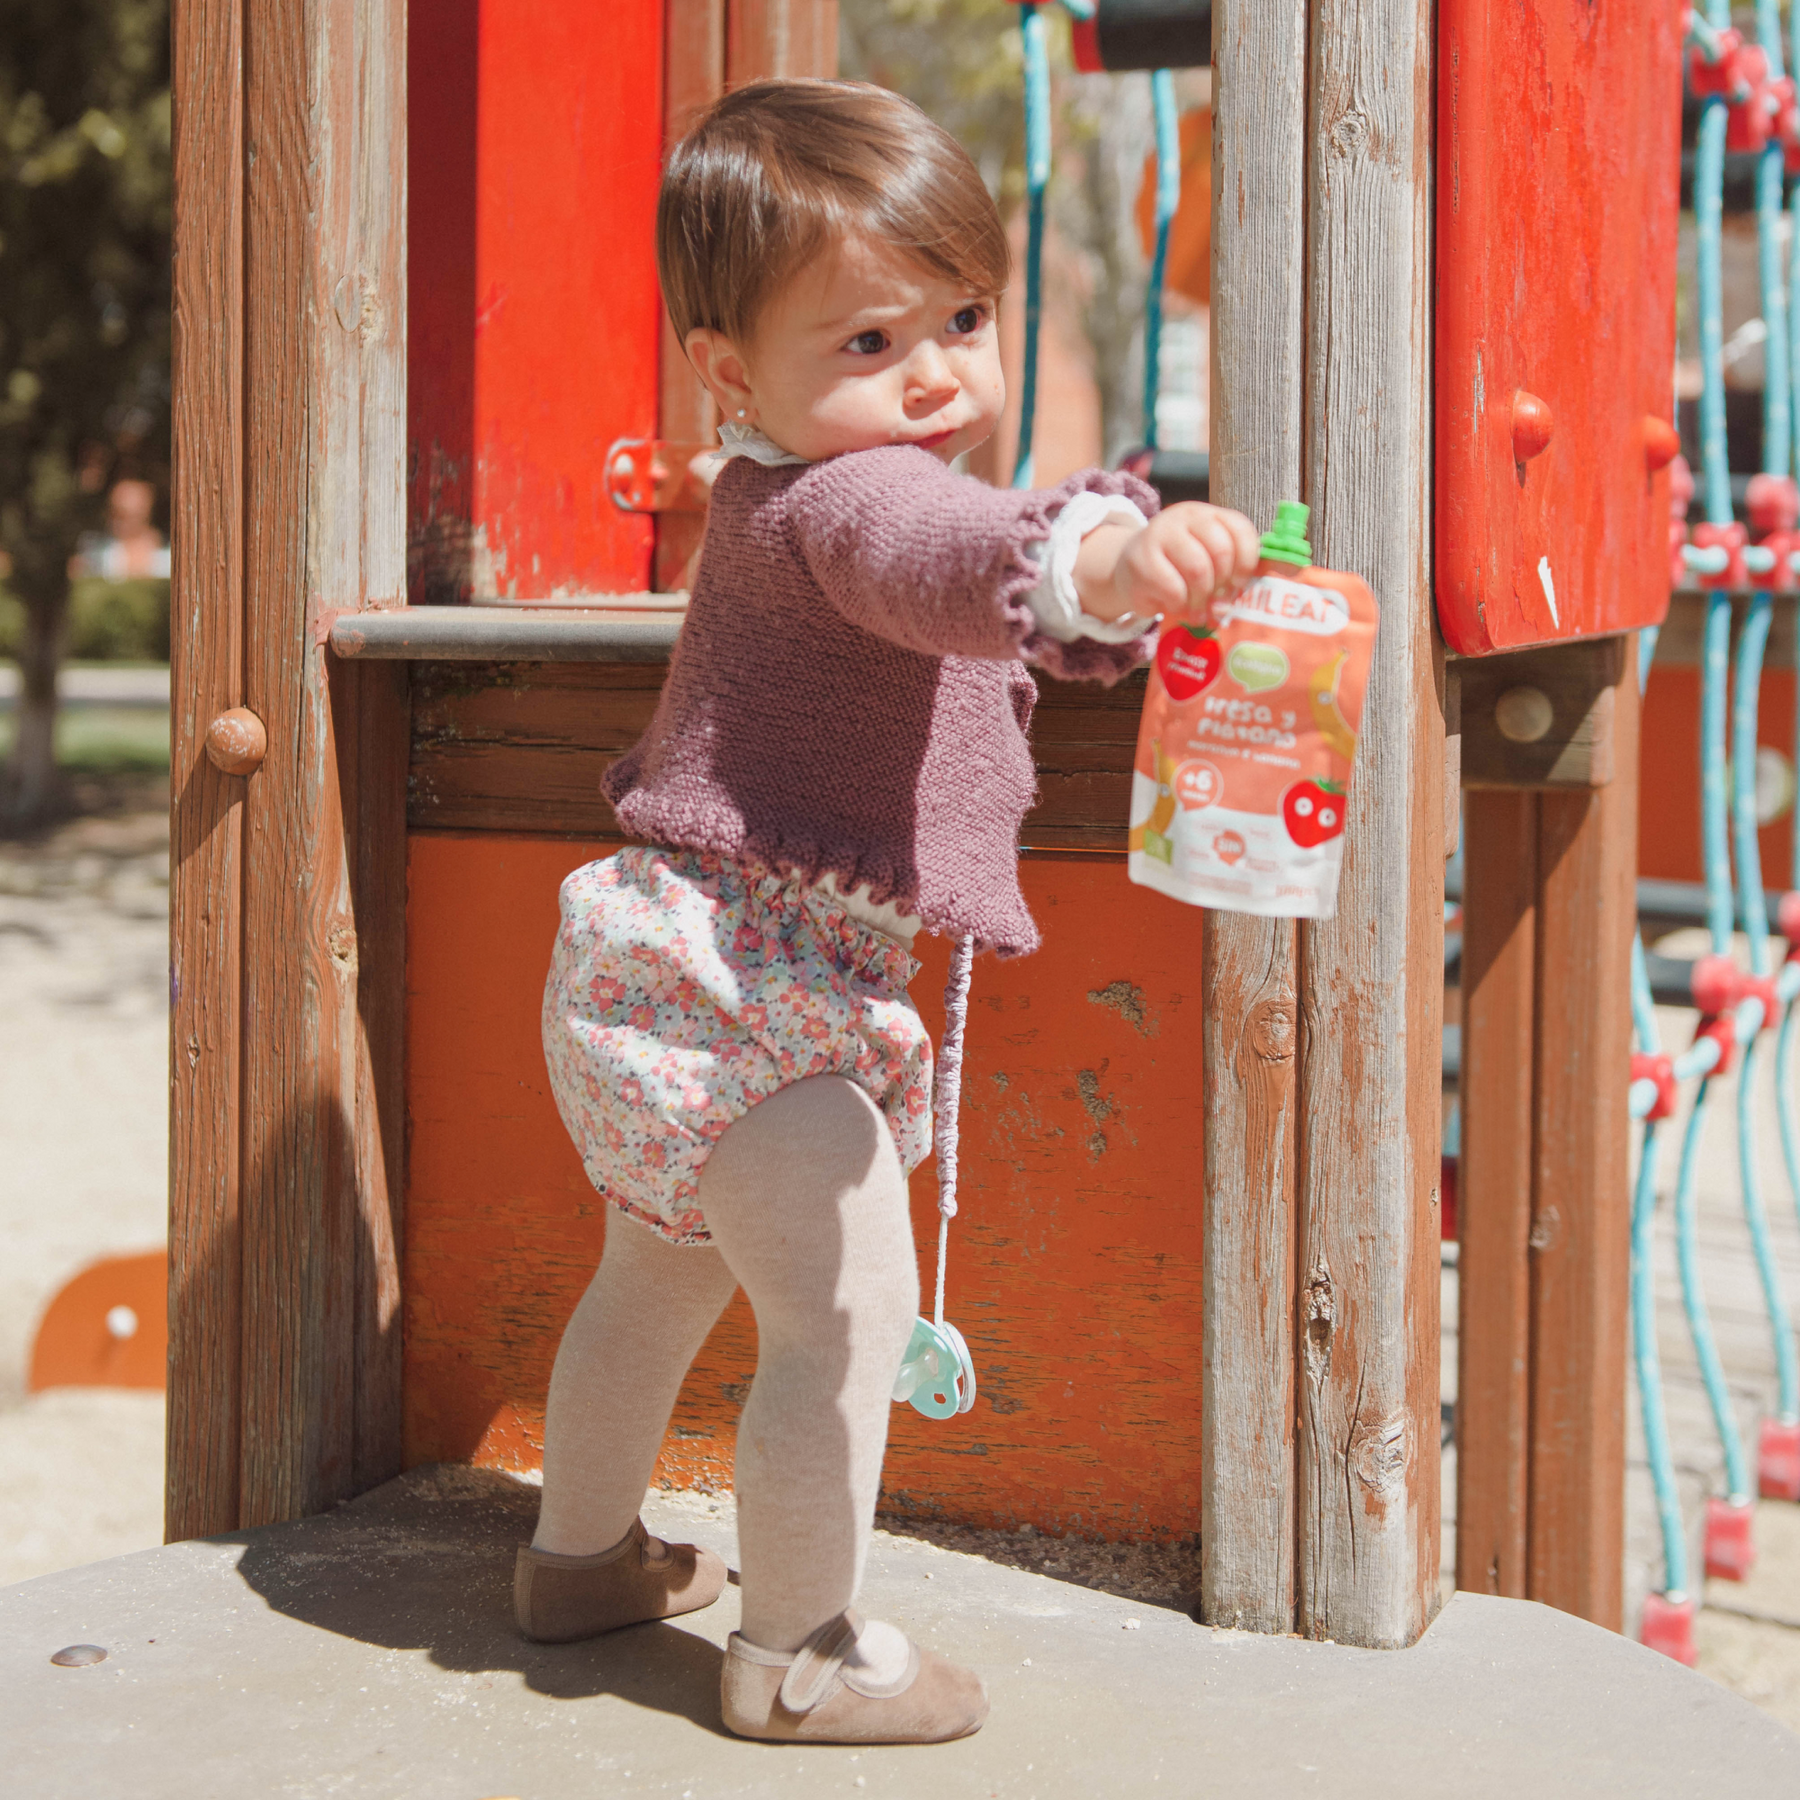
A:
[1054,600]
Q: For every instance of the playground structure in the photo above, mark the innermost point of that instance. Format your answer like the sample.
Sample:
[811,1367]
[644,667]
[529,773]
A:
[1199,1238]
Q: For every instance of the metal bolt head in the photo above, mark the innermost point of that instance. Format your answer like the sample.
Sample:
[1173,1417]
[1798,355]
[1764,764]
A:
[1522,715]
[78,1656]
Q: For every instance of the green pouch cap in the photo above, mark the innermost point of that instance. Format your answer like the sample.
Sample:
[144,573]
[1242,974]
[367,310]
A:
[1287,542]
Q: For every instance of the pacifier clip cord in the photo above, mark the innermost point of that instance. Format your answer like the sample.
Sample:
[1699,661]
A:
[938,1374]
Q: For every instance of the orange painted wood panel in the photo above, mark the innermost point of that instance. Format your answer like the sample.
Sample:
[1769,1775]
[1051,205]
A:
[1075,1265]
[1669,794]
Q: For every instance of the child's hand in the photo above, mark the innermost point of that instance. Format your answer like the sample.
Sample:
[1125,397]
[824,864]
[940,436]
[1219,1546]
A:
[1174,565]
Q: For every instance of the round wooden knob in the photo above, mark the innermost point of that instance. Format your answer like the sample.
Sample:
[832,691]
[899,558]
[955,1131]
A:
[1662,443]
[236,742]
[1532,423]
[1524,714]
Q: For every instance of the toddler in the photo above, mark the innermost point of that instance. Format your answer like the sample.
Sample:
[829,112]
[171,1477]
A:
[838,760]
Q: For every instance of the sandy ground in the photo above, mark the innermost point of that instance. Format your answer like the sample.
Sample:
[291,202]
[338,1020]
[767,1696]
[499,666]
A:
[83,1149]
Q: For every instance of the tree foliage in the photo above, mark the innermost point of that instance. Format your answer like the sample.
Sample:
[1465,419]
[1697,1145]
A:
[84,307]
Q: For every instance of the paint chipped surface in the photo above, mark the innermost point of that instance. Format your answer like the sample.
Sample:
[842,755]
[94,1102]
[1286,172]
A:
[1076,1278]
[1126,998]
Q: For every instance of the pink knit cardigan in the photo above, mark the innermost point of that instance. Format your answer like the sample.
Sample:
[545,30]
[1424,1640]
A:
[849,694]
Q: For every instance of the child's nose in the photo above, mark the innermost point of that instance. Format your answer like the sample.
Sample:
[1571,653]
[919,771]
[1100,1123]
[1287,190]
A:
[930,380]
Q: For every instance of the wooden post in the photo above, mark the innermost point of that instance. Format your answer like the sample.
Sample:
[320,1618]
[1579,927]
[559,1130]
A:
[205,839]
[1371,980]
[286,1133]
[1499,973]
[1247,1371]
[1546,1231]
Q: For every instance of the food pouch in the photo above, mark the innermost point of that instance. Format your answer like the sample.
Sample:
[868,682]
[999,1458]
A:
[1249,731]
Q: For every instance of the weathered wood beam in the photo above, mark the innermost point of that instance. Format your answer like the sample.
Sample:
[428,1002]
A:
[311,522]
[1371,979]
[205,839]
[1258,345]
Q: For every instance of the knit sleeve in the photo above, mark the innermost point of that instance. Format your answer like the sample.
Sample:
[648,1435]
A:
[940,563]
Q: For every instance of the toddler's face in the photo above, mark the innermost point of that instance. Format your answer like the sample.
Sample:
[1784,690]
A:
[867,348]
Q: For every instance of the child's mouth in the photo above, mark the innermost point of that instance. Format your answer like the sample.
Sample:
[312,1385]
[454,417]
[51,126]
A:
[932,442]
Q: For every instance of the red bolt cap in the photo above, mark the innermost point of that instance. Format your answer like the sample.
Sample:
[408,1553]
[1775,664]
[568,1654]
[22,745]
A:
[1778,1461]
[1662,443]
[1730,1540]
[1661,1070]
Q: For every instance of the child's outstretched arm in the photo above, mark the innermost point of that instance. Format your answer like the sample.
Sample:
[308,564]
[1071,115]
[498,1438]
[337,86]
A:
[947,565]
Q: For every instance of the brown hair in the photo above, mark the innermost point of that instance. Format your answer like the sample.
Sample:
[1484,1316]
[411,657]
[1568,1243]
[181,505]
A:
[779,170]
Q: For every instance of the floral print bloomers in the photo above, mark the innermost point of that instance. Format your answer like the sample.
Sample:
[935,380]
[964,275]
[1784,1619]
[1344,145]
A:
[686,987]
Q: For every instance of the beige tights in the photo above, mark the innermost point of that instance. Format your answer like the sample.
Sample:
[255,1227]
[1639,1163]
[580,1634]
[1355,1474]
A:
[806,1202]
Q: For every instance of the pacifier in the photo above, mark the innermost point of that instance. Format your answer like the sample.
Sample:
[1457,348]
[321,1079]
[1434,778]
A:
[937,1375]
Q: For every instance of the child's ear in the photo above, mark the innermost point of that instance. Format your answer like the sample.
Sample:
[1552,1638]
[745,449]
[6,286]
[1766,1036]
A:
[722,373]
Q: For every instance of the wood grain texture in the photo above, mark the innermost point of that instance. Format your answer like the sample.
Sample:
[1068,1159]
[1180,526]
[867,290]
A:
[1578,751]
[693,77]
[1371,980]
[323,410]
[205,873]
[1580,1226]
[522,747]
[780,37]
[1248,968]
[1493,1390]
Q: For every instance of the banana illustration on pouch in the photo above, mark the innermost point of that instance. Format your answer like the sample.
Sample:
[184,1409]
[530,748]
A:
[1331,723]
[1162,814]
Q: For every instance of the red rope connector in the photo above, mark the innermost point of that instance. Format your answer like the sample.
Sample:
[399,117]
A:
[1751,121]
[1661,1070]
[1733,539]
[1723,1032]
[1760,987]
[1714,983]
[1773,503]
[1723,79]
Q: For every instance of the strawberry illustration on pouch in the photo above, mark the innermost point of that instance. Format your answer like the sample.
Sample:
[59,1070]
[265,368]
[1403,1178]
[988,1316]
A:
[1188,659]
[1313,811]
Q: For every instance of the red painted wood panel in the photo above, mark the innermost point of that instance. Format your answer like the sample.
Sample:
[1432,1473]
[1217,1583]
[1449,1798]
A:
[1557,186]
[534,319]
[1076,1256]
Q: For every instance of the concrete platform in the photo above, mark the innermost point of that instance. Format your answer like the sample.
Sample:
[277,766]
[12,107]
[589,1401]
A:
[369,1653]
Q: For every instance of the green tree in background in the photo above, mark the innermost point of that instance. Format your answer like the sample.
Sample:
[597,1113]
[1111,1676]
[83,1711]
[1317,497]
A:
[84,313]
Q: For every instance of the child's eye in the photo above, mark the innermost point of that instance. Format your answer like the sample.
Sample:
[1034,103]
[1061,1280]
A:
[968,320]
[867,343]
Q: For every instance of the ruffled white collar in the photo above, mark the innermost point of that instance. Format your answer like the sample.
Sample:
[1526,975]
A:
[746,440]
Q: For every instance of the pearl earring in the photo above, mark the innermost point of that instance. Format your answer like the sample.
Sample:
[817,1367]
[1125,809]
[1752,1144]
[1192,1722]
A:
[740,412]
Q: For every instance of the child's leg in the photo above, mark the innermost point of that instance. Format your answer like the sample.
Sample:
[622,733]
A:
[805,1197]
[621,1363]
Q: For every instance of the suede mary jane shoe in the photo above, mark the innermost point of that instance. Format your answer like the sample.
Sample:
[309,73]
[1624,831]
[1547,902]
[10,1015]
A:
[558,1599]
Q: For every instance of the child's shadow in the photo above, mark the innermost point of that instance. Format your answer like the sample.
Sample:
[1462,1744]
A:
[407,1572]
